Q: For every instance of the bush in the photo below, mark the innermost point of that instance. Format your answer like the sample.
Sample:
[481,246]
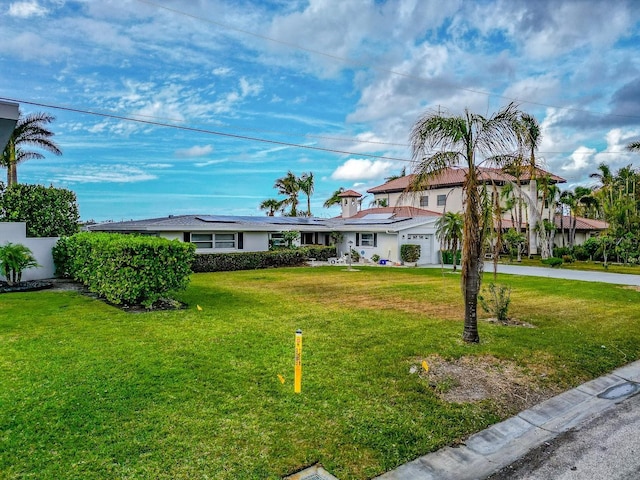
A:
[553,261]
[125,269]
[47,211]
[226,262]
[355,256]
[375,258]
[568,259]
[409,252]
[447,257]
[498,302]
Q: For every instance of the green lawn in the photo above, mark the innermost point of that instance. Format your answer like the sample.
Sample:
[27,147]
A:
[90,392]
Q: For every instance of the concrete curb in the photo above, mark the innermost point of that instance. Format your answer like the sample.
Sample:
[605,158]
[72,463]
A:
[486,452]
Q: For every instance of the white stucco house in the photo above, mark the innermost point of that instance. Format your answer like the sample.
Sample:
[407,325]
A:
[379,231]
[444,193]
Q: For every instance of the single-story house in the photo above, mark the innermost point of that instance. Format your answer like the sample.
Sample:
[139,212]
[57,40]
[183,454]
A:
[380,231]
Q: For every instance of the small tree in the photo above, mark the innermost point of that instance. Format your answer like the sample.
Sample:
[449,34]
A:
[515,243]
[449,232]
[497,303]
[14,258]
[290,237]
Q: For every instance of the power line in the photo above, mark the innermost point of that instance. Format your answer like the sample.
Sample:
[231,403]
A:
[372,67]
[201,130]
[149,120]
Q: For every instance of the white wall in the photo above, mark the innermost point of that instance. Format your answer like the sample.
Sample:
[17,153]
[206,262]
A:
[252,241]
[16,232]
[425,237]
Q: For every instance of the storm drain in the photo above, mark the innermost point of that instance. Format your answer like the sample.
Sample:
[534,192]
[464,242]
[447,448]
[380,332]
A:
[314,472]
[618,391]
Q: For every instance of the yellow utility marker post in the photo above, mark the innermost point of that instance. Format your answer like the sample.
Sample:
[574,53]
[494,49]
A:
[298,363]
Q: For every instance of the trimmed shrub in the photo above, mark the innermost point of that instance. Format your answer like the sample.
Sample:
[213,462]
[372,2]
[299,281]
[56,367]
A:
[226,262]
[47,211]
[553,262]
[125,269]
[409,252]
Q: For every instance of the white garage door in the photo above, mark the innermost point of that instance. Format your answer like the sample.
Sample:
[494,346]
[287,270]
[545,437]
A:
[424,240]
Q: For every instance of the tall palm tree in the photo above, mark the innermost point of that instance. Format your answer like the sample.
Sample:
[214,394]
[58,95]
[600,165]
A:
[568,199]
[30,130]
[334,199]
[403,173]
[289,186]
[440,141]
[449,232]
[634,147]
[272,205]
[606,191]
[306,186]
[530,137]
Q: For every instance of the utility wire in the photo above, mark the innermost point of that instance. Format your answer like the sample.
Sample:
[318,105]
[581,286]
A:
[201,130]
[149,120]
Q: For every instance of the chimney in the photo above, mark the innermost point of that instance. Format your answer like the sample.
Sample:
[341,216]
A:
[349,203]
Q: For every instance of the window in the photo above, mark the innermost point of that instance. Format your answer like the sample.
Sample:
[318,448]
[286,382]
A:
[202,240]
[366,239]
[225,240]
[276,240]
[442,200]
[307,238]
[424,201]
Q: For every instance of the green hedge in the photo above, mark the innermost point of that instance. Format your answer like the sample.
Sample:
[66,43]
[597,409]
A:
[47,211]
[125,269]
[226,262]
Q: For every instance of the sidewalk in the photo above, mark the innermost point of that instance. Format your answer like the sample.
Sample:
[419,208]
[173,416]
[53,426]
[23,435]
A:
[500,445]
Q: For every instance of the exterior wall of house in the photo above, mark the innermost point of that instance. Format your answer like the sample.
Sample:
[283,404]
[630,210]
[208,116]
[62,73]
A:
[252,241]
[388,244]
[16,232]
[448,199]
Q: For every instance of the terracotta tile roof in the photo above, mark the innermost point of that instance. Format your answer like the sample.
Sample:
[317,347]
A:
[350,193]
[397,212]
[581,223]
[451,177]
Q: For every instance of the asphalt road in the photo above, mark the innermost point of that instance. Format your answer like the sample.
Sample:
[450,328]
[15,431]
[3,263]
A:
[568,274]
[607,448]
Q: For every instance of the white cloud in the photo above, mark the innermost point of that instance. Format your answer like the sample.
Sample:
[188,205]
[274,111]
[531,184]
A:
[222,71]
[26,10]
[194,152]
[362,169]
[208,163]
[107,174]
[582,157]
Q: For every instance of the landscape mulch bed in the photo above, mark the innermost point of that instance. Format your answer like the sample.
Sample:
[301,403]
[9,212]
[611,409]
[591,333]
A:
[70,285]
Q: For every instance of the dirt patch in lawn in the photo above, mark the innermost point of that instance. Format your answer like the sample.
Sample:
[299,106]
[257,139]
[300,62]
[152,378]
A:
[632,287]
[476,378]
[64,284]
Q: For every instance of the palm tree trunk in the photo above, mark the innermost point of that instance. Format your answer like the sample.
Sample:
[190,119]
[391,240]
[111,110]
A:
[533,200]
[12,170]
[472,248]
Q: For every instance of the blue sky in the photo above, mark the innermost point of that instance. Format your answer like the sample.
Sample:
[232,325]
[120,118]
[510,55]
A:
[346,75]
